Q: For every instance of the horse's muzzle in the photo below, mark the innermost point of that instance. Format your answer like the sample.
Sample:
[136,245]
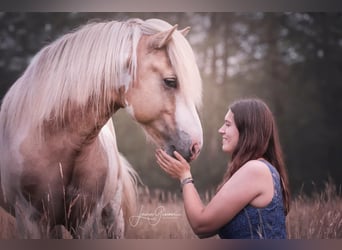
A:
[189,154]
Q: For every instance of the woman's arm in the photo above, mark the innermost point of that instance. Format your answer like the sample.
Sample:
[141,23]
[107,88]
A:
[246,185]
[180,169]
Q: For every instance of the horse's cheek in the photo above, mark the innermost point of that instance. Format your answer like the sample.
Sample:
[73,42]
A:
[146,108]
[146,112]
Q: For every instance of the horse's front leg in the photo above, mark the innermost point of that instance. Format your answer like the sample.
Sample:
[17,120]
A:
[112,217]
[81,212]
[85,190]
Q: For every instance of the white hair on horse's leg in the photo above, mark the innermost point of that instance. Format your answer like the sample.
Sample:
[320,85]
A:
[25,225]
[120,189]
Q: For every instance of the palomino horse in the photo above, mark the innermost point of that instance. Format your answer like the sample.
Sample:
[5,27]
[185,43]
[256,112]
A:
[58,155]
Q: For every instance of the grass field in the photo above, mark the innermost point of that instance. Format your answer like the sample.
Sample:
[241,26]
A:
[160,215]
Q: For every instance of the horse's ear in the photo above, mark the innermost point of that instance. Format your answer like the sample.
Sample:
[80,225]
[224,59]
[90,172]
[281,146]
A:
[185,31]
[160,39]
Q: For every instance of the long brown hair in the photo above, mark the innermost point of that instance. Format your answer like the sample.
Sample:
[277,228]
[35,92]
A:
[258,138]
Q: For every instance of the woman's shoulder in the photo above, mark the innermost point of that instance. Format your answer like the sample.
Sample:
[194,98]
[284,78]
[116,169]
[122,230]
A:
[255,167]
[257,182]
[259,173]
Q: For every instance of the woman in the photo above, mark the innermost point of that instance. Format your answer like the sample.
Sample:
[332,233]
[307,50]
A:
[253,199]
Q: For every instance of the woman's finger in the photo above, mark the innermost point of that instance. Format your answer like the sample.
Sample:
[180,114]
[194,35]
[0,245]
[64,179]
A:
[167,169]
[164,166]
[167,158]
[161,159]
[172,166]
[160,155]
[179,156]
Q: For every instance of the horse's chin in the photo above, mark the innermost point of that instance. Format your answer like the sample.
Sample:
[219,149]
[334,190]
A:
[180,142]
[169,149]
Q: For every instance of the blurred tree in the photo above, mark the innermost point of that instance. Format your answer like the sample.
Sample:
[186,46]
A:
[316,95]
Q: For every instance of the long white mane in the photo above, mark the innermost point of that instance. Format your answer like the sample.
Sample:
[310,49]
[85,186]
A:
[90,63]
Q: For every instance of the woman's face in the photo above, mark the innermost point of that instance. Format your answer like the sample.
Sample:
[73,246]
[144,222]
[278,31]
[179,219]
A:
[230,133]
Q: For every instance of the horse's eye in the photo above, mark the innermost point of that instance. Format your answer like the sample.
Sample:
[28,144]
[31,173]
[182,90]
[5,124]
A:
[171,82]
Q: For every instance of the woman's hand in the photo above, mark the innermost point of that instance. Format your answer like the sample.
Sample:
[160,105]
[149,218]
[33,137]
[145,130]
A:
[177,168]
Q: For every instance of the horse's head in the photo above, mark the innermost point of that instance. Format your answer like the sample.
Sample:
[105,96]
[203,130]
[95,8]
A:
[165,92]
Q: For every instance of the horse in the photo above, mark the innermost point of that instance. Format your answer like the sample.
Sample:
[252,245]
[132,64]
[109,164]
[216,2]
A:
[59,160]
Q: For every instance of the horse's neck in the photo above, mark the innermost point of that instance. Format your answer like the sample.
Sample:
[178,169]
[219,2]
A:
[82,124]
[68,140]
[68,144]
[68,153]
[96,115]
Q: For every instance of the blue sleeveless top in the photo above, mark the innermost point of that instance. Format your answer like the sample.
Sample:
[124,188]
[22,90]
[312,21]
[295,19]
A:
[259,223]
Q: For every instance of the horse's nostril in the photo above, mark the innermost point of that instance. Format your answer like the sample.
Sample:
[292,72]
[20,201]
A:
[195,148]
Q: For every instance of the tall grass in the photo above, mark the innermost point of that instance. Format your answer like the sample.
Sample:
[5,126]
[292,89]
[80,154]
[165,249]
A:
[160,215]
[318,216]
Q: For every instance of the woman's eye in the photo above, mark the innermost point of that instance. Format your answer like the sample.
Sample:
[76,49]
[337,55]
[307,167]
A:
[170,82]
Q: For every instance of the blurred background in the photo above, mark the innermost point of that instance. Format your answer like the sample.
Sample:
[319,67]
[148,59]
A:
[291,60]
